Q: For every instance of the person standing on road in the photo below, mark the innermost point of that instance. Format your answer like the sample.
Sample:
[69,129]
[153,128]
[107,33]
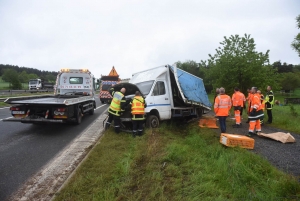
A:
[115,109]
[138,106]
[269,104]
[255,113]
[222,107]
[238,100]
[262,100]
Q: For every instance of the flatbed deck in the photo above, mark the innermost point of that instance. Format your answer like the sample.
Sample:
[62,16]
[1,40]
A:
[49,100]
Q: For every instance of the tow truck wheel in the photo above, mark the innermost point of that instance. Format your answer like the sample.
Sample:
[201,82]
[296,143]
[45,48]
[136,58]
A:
[78,116]
[152,121]
[92,111]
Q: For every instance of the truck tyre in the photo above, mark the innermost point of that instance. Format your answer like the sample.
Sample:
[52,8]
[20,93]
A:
[152,121]
[92,111]
[78,116]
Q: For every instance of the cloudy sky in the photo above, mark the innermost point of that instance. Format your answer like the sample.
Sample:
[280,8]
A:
[134,35]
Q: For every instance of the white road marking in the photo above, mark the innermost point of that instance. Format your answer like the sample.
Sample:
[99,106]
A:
[100,107]
[3,108]
[6,118]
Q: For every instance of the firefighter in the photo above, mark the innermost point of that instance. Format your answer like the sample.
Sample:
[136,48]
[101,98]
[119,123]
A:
[222,107]
[138,106]
[262,100]
[116,108]
[269,104]
[238,101]
[255,113]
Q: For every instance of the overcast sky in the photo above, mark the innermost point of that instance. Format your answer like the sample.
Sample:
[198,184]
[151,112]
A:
[134,35]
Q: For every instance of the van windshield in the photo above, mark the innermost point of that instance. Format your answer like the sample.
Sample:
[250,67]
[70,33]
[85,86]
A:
[145,87]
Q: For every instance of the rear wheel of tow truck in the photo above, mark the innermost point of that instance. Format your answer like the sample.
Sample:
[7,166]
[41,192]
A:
[78,116]
[152,121]
[92,111]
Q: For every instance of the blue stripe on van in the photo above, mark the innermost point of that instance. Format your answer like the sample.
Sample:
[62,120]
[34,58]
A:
[158,105]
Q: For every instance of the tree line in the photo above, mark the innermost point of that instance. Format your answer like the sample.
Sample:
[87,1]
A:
[16,75]
[237,63]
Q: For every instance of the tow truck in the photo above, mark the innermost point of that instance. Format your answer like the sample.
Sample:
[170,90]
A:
[73,98]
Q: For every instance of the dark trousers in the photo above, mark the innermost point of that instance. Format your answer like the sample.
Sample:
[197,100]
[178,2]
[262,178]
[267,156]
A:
[270,116]
[117,122]
[241,111]
[222,121]
[137,127]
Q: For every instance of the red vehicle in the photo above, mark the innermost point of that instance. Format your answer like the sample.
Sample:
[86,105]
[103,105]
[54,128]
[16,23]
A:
[106,83]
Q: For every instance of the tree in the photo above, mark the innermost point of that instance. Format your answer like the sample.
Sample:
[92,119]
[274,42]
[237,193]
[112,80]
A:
[290,81]
[11,76]
[296,43]
[23,77]
[238,64]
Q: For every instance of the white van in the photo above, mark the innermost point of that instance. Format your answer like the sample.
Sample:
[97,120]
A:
[169,93]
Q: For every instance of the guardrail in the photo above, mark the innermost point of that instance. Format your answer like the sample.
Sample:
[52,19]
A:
[11,92]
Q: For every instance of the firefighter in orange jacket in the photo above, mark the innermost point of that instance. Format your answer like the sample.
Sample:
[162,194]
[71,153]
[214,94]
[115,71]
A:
[222,107]
[238,101]
[249,101]
[138,106]
[256,113]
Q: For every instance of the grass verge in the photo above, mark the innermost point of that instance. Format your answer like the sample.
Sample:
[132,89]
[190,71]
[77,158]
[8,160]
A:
[176,162]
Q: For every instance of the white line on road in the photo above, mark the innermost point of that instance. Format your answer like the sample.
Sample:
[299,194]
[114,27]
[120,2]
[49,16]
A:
[6,118]
[3,108]
[100,106]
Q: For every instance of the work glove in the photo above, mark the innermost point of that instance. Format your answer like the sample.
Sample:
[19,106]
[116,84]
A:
[252,113]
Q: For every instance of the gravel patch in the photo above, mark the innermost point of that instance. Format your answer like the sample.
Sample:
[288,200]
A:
[285,157]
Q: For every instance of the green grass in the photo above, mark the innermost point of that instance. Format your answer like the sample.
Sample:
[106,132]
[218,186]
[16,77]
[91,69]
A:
[176,162]
[5,85]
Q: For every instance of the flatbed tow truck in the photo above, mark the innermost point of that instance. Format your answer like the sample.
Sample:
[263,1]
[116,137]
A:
[73,98]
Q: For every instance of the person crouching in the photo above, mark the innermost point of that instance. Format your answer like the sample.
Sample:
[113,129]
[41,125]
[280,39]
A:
[138,105]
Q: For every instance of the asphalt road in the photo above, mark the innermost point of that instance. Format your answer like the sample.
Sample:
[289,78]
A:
[26,148]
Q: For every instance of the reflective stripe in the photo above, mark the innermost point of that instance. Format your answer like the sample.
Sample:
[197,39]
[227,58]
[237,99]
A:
[115,105]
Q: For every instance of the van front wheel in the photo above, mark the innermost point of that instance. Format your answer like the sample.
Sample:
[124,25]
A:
[152,121]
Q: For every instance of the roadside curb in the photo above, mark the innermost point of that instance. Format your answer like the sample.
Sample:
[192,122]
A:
[54,175]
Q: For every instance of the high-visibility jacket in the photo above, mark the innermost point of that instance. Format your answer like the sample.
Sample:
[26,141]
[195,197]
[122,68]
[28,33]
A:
[138,105]
[238,99]
[269,100]
[222,105]
[115,105]
[249,101]
[255,102]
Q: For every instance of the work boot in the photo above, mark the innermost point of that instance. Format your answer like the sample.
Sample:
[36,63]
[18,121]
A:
[249,134]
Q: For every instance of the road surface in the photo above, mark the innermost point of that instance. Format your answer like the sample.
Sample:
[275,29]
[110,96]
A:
[26,148]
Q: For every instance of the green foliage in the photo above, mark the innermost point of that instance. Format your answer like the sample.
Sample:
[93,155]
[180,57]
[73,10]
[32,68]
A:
[296,43]
[237,63]
[11,76]
[23,77]
[294,113]
[290,81]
